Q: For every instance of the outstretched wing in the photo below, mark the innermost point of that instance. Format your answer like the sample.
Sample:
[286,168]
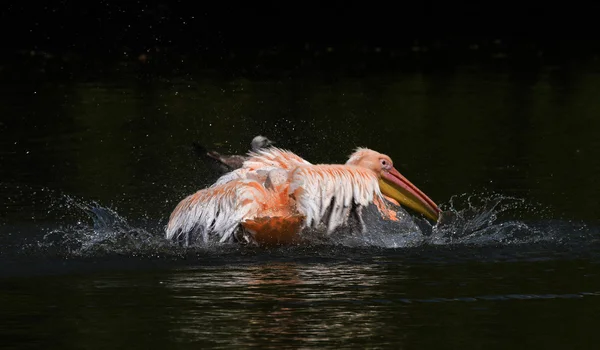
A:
[326,194]
[273,158]
[259,163]
[216,211]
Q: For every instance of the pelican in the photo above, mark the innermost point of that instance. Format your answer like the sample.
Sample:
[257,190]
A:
[276,196]
[228,163]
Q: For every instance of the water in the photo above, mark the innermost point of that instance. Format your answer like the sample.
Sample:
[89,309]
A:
[91,168]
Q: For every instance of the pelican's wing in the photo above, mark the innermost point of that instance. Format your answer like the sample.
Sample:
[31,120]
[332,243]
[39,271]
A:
[259,163]
[275,158]
[216,211]
[238,174]
[326,194]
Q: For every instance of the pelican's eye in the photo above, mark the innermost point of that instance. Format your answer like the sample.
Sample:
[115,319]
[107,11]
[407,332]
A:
[385,164]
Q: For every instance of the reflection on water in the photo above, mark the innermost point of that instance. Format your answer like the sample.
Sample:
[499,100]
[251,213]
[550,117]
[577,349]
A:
[388,301]
[282,298]
[324,305]
[275,303]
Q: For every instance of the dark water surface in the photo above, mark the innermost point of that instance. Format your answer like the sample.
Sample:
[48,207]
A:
[90,169]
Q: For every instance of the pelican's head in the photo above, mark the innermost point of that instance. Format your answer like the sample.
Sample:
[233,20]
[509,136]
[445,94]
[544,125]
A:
[260,142]
[393,184]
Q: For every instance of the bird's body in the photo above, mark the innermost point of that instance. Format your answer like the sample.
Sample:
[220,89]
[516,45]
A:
[276,195]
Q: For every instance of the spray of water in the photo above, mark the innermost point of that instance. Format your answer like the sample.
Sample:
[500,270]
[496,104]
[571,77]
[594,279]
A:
[485,219]
[467,219]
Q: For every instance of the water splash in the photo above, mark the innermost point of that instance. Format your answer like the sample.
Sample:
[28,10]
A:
[493,219]
[89,229]
[473,219]
[97,230]
[467,219]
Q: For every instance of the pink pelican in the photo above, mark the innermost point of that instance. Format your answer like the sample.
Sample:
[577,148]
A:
[276,195]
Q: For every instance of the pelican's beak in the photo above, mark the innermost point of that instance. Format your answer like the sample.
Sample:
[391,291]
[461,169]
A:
[396,186]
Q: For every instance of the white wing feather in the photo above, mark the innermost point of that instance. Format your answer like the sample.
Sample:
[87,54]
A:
[260,163]
[325,194]
[216,211]
[273,157]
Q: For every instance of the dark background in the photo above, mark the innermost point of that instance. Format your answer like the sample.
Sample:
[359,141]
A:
[247,38]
